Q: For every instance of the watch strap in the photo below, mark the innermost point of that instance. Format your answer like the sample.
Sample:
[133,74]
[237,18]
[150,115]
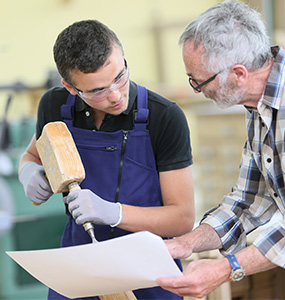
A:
[238,272]
[233,261]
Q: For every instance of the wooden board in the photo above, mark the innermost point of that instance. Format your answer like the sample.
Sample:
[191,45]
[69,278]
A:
[121,296]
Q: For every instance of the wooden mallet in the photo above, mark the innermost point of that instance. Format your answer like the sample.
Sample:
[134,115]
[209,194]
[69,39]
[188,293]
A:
[61,161]
[65,171]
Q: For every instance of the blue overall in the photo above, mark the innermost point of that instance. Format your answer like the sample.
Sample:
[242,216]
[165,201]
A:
[119,166]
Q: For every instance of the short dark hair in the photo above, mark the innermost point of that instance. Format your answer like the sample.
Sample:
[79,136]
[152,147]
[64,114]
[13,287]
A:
[83,46]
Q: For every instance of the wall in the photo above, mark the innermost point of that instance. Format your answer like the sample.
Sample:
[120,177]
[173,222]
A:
[29,28]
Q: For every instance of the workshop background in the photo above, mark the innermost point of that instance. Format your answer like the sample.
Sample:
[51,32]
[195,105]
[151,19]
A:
[149,32]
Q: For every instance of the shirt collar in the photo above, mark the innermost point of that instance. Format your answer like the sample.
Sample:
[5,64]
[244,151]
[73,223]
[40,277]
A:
[81,105]
[272,94]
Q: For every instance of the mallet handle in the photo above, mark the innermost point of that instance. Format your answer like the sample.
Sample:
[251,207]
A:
[121,296]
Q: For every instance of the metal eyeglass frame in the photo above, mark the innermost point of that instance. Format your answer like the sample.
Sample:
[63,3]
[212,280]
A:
[81,93]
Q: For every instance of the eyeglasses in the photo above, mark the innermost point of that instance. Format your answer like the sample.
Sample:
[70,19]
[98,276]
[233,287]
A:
[197,87]
[102,94]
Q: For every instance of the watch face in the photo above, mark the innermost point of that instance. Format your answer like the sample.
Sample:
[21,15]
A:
[237,274]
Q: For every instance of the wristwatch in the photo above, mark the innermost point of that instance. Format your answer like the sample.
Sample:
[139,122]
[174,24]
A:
[238,272]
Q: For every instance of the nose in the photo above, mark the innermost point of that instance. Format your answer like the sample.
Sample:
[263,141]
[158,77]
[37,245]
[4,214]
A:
[114,95]
[196,91]
[194,85]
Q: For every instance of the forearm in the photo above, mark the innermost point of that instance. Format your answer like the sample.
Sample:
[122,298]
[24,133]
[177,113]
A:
[253,261]
[202,238]
[27,157]
[205,238]
[175,217]
[165,221]
[31,154]
[250,259]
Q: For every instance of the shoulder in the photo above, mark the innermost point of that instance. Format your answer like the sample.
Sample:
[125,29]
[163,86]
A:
[160,108]
[54,96]
[158,101]
[49,109]
[51,102]
[169,133]
[164,110]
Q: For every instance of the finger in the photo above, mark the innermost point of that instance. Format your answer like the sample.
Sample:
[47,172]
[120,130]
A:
[174,282]
[42,198]
[184,292]
[44,183]
[36,195]
[44,193]
[79,220]
[72,206]
[71,197]
[76,213]
[174,287]
[78,217]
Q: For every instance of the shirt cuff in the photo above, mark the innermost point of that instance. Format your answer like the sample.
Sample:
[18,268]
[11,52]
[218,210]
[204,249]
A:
[230,231]
[271,243]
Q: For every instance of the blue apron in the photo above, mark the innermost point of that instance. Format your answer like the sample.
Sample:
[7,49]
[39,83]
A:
[119,166]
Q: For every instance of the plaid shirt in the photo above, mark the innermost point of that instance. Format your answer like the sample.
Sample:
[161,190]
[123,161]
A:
[260,189]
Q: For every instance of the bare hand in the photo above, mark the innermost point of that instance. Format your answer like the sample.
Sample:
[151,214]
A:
[199,278]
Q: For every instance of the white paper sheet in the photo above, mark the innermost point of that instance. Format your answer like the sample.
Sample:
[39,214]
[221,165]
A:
[121,264]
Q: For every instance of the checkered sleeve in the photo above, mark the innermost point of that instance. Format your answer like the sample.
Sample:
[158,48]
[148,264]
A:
[247,207]
[271,243]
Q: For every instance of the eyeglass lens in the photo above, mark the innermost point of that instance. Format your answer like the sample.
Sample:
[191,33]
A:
[117,85]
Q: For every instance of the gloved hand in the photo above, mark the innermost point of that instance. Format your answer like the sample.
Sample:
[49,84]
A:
[36,186]
[85,206]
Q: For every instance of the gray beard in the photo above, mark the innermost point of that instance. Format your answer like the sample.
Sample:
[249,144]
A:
[227,96]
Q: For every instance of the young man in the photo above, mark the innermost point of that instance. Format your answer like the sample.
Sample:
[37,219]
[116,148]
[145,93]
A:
[227,57]
[134,144]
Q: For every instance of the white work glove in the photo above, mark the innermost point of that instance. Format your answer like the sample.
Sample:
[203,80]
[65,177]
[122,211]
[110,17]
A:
[85,206]
[36,186]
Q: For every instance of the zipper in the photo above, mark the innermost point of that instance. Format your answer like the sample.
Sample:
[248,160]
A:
[123,150]
[124,145]
[109,148]
[101,148]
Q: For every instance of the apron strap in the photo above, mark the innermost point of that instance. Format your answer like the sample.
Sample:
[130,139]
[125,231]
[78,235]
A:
[66,110]
[142,113]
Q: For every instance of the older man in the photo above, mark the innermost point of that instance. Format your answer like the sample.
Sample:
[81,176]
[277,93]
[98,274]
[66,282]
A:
[227,57]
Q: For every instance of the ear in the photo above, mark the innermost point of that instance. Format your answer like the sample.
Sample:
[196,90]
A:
[68,87]
[240,74]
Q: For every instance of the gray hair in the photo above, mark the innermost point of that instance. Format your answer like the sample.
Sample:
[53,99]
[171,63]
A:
[231,33]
